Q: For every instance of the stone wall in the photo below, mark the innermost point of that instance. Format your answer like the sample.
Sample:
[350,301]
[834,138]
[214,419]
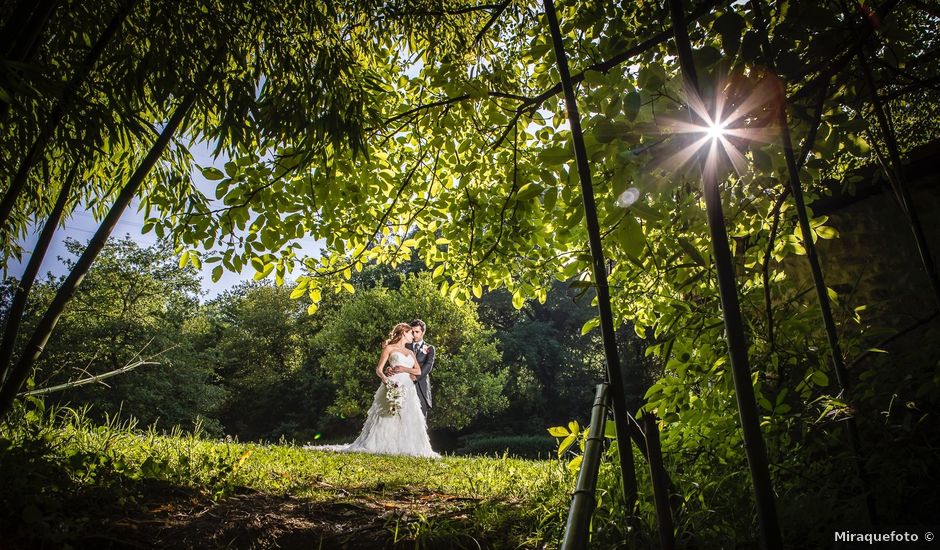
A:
[874,261]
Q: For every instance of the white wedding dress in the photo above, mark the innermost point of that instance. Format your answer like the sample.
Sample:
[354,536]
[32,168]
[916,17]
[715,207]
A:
[404,433]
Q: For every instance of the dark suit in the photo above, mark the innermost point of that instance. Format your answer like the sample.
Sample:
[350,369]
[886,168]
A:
[423,382]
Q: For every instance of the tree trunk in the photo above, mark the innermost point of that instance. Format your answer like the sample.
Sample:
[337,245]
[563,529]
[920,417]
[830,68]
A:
[58,112]
[615,378]
[731,310]
[23,287]
[37,342]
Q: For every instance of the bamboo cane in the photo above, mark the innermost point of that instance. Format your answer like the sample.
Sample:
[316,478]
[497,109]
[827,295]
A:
[583,499]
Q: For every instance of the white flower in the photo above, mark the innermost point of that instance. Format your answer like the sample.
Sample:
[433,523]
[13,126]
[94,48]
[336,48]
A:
[395,395]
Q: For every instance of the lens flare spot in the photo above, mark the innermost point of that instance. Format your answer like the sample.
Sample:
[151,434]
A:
[628,197]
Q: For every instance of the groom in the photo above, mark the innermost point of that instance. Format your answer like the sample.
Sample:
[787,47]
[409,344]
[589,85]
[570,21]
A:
[425,354]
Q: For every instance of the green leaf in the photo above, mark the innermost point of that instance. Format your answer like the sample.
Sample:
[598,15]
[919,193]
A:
[707,56]
[216,273]
[645,212]
[762,160]
[594,77]
[589,325]
[559,431]
[575,463]
[518,300]
[693,252]
[729,25]
[826,232]
[211,173]
[610,430]
[265,271]
[631,104]
[529,191]
[820,379]
[630,236]
[566,443]
[557,155]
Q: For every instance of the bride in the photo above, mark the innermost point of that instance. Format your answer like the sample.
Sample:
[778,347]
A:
[393,428]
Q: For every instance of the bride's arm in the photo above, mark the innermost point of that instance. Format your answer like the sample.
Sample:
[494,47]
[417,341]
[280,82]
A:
[416,370]
[380,368]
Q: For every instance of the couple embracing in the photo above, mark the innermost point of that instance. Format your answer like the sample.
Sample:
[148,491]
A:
[397,420]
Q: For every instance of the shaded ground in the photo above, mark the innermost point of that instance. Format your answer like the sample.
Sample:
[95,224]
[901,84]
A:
[159,515]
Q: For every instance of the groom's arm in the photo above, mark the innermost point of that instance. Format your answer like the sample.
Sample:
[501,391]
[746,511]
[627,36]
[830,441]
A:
[428,362]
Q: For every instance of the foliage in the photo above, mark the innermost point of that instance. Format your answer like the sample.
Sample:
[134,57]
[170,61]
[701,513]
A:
[467,380]
[135,302]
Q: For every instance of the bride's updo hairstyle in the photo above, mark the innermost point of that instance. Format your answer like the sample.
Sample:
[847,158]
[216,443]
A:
[398,332]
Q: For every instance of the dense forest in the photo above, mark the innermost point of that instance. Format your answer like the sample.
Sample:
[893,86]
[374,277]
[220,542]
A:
[725,211]
[253,365]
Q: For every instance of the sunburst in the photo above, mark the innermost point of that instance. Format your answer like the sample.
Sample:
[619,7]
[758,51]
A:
[740,115]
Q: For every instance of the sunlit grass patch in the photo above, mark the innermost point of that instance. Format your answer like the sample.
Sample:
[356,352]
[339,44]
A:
[454,501]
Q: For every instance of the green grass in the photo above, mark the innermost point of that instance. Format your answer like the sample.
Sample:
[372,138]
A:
[60,460]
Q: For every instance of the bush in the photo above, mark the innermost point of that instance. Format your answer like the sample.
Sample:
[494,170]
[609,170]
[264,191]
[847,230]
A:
[520,446]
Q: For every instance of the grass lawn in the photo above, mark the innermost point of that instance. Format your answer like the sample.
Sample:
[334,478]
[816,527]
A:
[79,485]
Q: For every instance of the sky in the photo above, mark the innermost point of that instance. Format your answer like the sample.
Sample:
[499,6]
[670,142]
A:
[81,225]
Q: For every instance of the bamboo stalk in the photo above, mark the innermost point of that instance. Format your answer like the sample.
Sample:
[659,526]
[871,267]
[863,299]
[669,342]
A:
[43,331]
[25,284]
[819,281]
[583,500]
[614,376]
[660,481]
[734,327]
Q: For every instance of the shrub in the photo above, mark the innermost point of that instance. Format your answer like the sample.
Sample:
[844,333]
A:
[521,446]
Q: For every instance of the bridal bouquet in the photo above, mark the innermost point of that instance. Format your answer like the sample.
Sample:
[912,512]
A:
[395,395]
